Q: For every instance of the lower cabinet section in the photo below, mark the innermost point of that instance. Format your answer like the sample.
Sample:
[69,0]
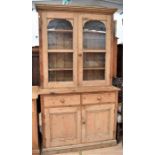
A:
[71,125]
[97,122]
[62,126]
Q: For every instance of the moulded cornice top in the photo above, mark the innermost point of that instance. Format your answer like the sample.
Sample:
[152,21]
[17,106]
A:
[71,8]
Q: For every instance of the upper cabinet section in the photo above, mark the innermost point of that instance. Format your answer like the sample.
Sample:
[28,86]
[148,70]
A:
[76,46]
[58,54]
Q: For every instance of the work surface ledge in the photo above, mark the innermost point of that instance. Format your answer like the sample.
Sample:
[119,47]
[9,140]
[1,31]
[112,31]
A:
[38,91]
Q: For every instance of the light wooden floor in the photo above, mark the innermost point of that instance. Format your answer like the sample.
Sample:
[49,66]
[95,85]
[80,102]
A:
[115,150]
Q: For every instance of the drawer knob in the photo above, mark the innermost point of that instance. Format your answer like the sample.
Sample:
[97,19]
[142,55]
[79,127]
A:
[83,122]
[80,54]
[62,101]
[99,98]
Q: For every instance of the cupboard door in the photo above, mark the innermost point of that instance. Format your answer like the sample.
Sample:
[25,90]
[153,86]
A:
[97,122]
[62,126]
[59,50]
[94,50]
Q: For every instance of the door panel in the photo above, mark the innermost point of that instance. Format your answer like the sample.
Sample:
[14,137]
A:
[94,42]
[97,122]
[62,126]
[59,50]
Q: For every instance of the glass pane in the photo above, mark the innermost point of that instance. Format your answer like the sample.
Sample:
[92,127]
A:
[66,75]
[93,75]
[60,40]
[60,60]
[59,24]
[60,34]
[93,66]
[94,33]
[94,60]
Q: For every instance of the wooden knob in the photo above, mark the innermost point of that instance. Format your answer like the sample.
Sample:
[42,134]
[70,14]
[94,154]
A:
[62,101]
[83,122]
[80,54]
[99,98]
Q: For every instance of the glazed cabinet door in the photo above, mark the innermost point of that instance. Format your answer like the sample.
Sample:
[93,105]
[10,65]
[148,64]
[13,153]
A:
[58,49]
[94,49]
[62,126]
[97,122]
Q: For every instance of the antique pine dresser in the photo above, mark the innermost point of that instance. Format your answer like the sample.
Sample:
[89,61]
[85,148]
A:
[78,101]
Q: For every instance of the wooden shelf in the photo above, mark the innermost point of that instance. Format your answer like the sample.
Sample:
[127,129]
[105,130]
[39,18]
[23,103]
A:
[60,50]
[94,68]
[60,69]
[94,31]
[94,50]
[57,30]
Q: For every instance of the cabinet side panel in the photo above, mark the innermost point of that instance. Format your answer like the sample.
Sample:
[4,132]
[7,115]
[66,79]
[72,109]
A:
[109,50]
[43,50]
[34,126]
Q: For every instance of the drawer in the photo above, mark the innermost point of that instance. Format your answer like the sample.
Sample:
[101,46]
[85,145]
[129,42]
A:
[98,98]
[61,100]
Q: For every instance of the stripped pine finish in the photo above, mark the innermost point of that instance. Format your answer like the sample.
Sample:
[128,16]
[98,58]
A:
[78,101]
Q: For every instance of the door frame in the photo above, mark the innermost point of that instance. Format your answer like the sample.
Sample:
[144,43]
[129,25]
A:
[49,142]
[92,108]
[44,18]
[106,19]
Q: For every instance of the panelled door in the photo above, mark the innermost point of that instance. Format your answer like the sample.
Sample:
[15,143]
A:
[94,41]
[97,122]
[59,56]
[62,126]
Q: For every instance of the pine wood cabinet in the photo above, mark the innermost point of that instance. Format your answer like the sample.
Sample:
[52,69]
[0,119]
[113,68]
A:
[78,101]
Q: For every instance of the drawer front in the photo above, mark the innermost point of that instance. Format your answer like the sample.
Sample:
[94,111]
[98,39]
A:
[61,100]
[98,98]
